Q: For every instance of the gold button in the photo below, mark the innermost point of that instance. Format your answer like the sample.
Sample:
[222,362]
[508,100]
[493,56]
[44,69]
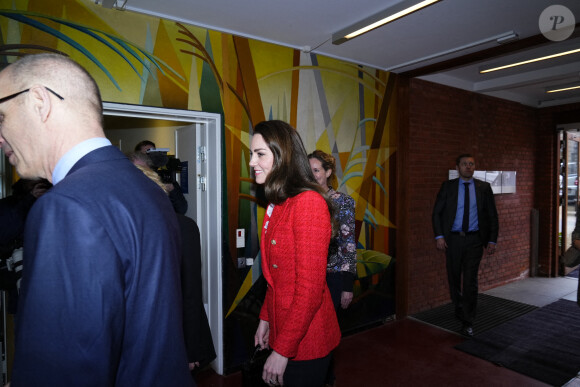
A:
[273,242]
[275,266]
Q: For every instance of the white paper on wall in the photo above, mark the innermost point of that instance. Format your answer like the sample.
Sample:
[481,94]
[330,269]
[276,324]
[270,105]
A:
[494,179]
[502,182]
[508,182]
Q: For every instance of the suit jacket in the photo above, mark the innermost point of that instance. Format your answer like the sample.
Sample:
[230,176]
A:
[198,340]
[446,207]
[100,300]
[298,305]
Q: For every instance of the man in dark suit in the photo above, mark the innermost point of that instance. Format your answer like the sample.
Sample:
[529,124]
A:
[100,300]
[465,222]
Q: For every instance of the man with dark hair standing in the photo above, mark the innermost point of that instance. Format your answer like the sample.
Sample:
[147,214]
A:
[144,146]
[465,222]
[156,161]
[100,301]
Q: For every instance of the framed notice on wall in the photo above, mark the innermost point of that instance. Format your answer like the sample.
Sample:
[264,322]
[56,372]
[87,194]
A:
[480,175]
[494,179]
[502,182]
[508,182]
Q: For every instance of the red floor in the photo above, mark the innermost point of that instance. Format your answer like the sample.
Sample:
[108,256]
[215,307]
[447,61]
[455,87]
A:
[403,353]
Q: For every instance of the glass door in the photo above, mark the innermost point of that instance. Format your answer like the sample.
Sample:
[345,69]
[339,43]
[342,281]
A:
[568,185]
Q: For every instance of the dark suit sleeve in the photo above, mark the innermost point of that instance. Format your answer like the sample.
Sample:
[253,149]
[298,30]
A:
[69,327]
[491,213]
[198,340]
[439,211]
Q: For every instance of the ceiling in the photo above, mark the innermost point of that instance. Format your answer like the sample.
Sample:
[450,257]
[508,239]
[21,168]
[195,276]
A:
[446,43]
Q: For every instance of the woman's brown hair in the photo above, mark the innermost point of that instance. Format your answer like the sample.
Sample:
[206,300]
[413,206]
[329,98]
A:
[291,173]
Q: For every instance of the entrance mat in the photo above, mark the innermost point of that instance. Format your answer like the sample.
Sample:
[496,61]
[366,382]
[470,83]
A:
[543,344]
[491,312]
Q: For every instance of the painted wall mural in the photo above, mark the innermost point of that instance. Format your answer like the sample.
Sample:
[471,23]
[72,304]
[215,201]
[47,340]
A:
[339,107]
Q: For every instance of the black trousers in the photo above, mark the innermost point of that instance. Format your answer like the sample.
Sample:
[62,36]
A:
[334,282]
[306,373]
[463,258]
[335,285]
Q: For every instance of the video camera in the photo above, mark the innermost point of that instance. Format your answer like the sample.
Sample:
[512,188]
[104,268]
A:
[167,167]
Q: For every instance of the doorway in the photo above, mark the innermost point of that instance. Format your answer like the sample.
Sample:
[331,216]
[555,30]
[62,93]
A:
[195,137]
[568,185]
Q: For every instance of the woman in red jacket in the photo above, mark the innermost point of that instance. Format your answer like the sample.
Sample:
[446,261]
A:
[297,319]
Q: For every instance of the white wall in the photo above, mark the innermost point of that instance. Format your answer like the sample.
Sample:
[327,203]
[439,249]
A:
[163,136]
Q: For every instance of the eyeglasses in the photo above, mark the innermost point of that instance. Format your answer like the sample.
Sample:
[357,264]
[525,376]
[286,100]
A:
[8,98]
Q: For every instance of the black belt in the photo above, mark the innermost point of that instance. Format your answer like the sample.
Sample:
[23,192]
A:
[463,233]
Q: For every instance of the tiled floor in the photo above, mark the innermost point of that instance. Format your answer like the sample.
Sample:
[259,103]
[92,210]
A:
[407,352]
[538,291]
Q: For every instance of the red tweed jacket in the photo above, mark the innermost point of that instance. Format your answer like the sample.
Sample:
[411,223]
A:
[303,324]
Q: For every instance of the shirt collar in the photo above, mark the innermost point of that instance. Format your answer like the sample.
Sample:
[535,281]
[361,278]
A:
[77,152]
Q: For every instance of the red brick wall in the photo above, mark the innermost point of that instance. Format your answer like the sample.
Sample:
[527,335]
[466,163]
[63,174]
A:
[444,122]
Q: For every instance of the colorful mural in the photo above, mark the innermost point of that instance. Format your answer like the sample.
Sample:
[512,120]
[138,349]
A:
[339,107]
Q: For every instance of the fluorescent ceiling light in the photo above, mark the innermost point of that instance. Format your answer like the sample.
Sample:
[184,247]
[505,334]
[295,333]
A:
[557,89]
[500,39]
[393,13]
[489,70]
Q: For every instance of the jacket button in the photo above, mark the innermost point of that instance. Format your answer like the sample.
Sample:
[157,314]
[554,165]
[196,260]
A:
[273,242]
[275,266]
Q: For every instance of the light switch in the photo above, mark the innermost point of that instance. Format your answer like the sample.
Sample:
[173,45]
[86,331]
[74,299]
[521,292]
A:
[240,238]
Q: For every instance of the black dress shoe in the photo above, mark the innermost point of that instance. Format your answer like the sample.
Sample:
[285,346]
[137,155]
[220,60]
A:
[467,330]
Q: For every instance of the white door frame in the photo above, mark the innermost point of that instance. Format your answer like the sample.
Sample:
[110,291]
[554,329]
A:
[209,214]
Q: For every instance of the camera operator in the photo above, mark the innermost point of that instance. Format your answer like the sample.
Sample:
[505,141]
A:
[166,168]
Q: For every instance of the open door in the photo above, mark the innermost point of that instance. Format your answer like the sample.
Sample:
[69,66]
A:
[196,142]
[568,187]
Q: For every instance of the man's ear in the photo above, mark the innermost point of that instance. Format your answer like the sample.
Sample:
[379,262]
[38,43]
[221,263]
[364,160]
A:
[42,102]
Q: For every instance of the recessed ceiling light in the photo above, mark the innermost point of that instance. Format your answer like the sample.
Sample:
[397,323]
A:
[390,14]
[557,89]
[507,66]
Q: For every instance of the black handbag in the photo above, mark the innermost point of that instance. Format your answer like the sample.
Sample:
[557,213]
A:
[252,369]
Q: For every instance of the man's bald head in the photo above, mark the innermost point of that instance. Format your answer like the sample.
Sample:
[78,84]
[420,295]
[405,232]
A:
[61,74]
[48,105]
